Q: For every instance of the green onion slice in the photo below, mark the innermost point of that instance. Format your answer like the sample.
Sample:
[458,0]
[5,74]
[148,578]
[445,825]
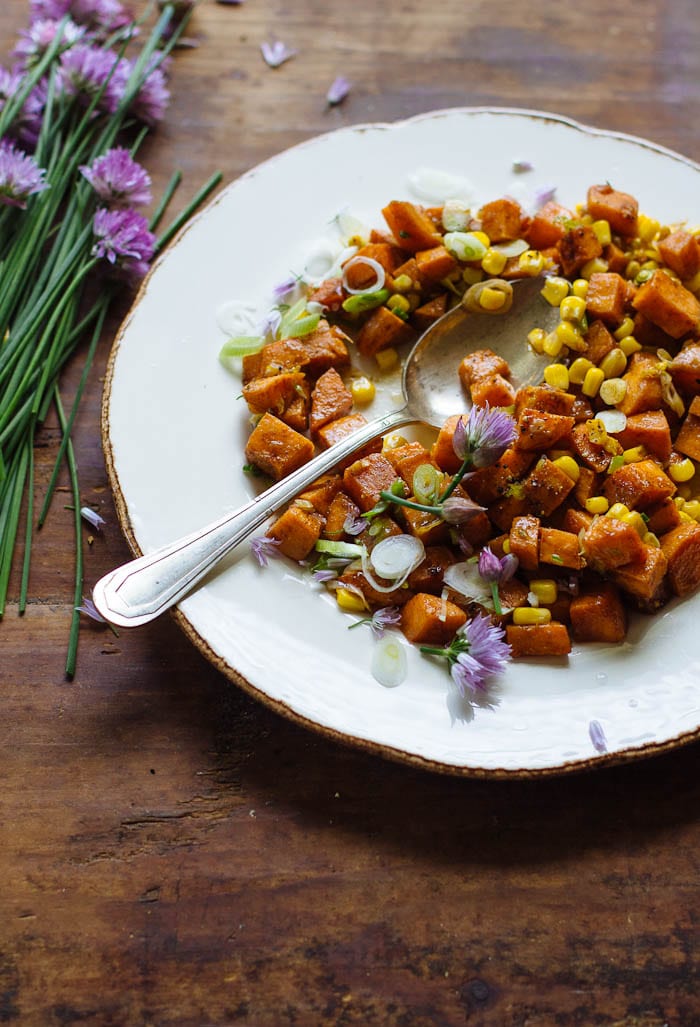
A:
[241,346]
[365,301]
[344,550]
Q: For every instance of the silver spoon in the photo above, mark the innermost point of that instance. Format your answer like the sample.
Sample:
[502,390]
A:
[142,589]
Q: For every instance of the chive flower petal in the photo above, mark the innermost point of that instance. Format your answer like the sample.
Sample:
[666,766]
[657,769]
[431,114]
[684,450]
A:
[20,176]
[118,179]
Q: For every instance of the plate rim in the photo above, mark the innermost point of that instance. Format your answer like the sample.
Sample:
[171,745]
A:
[386,751]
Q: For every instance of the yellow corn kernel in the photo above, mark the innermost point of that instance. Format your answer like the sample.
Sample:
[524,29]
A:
[570,335]
[387,359]
[613,363]
[682,471]
[362,390]
[531,615]
[626,328]
[579,369]
[472,275]
[536,339]
[552,345]
[692,508]
[491,299]
[493,262]
[592,382]
[393,440]
[597,505]
[555,290]
[613,391]
[349,601]
[629,345]
[650,539]
[482,237]
[637,521]
[680,500]
[568,465]
[399,304]
[650,265]
[557,375]
[633,269]
[602,231]
[572,308]
[634,454]
[531,262]
[506,545]
[545,589]
[647,227]
[403,283]
[618,510]
[414,300]
[580,288]
[594,267]
[685,518]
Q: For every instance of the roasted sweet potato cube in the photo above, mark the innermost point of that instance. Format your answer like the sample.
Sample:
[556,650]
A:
[688,438]
[594,454]
[389,255]
[431,530]
[638,485]
[276,448]
[663,516]
[340,511]
[428,620]
[544,397]
[643,579]
[411,226]
[616,258]
[297,531]
[382,328]
[442,451]
[548,225]
[668,304]
[496,391]
[599,341]
[477,531]
[322,493]
[273,393]
[502,219]
[364,479]
[325,347]
[355,580]
[608,543]
[560,548]
[423,316]
[491,483]
[538,429]
[482,363]
[525,541]
[429,574]
[587,485]
[681,547]
[685,369]
[575,520]
[598,615]
[334,431]
[330,399]
[546,487]
[296,415]
[536,640]
[617,208]
[644,390]
[576,247]
[681,252]
[649,429]
[606,297]
[406,458]
[330,294]
[434,264]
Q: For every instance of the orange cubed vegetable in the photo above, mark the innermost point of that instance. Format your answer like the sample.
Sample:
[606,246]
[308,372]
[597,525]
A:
[560,548]
[296,415]
[501,219]
[429,620]
[668,304]
[297,530]
[663,516]
[276,448]
[330,294]
[608,543]
[429,574]
[680,251]
[355,581]
[491,483]
[442,451]
[595,454]
[423,316]
[546,487]
[482,363]
[496,391]
[275,392]
[322,493]
[576,247]
[434,264]
[314,353]
[538,640]
[587,485]
[688,438]
[643,579]
[341,509]
[599,341]
[681,547]
[431,530]
[406,459]
[364,479]
[649,429]
[503,511]
[644,390]
[617,208]
[411,226]
[524,541]
[598,615]
[575,520]
[382,328]
[330,399]
[543,397]
[334,431]
[606,297]
[685,369]
[548,225]
[538,429]
[638,485]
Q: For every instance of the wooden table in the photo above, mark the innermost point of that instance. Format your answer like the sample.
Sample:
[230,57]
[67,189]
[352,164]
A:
[174,853]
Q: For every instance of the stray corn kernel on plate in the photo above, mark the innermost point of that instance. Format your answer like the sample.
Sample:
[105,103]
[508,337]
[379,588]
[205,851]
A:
[435,601]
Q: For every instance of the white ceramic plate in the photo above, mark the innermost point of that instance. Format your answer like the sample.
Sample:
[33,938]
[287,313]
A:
[174,434]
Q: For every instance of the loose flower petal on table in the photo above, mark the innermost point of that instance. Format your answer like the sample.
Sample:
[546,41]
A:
[264,548]
[276,53]
[92,518]
[339,89]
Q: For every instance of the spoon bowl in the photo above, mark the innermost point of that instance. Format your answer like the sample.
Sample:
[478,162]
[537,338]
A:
[143,588]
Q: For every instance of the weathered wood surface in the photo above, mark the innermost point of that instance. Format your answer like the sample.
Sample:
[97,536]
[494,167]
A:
[171,852]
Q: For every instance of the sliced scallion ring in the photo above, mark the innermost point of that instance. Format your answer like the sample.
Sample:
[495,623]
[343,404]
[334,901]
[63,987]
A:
[389,663]
[241,346]
[375,266]
[392,559]
[365,301]
[464,245]
[344,550]
[427,481]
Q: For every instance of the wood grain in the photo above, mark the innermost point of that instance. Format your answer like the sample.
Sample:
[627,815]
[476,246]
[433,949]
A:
[174,854]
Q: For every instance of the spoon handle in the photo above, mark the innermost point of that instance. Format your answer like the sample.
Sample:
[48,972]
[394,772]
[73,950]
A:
[142,589]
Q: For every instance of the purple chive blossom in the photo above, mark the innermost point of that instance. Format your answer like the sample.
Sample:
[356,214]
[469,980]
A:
[35,41]
[483,438]
[496,571]
[544,195]
[283,288]
[152,99]
[597,736]
[324,574]
[458,509]
[387,617]
[92,518]
[276,53]
[107,15]
[264,549]
[271,322]
[124,240]
[339,89]
[20,176]
[354,524]
[118,179]
[476,653]
[87,72]
[90,610]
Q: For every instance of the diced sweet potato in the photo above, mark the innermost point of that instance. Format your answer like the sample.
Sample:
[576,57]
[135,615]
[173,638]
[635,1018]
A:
[575,520]
[276,448]
[491,483]
[296,415]
[504,510]
[608,543]
[356,581]
[496,391]
[364,479]
[649,429]
[576,247]
[273,393]
[538,640]
[548,225]
[423,316]
[330,399]
[411,226]
[681,252]
[638,485]
[606,297]
[482,363]
[599,341]
[429,574]
[688,438]
[341,509]
[431,530]
[546,487]
[668,304]
[560,548]
[407,458]
[314,353]
[297,530]
[685,369]
[681,547]
[525,541]
[334,431]
[643,384]
[322,493]
[501,219]
[538,429]
[617,208]
[429,620]
[385,253]
[663,516]
[587,485]
[598,615]
[616,258]
[382,328]
[643,579]
[442,451]
[543,397]
[330,294]
[477,530]
[434,264]
[594,454]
